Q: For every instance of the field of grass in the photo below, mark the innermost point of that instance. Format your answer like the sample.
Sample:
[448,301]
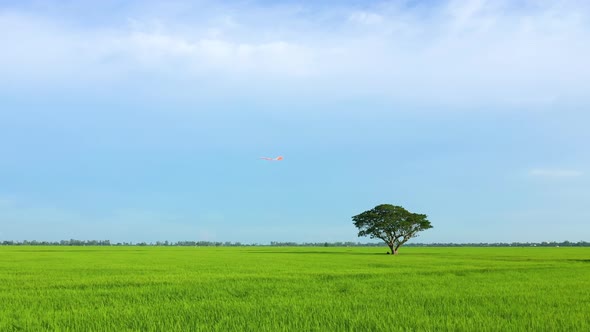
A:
[294,289]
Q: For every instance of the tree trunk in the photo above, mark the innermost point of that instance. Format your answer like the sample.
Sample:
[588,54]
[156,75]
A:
[393,251]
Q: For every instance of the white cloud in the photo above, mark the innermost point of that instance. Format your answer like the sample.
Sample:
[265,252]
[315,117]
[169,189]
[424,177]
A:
[459,52]
[156,50]
[364,17]
[555,173]
[34,222]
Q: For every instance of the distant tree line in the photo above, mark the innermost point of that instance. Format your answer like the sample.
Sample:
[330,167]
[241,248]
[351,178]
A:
[505,244]
[73,242]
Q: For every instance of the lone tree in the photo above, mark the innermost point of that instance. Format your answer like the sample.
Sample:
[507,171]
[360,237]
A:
[392,224]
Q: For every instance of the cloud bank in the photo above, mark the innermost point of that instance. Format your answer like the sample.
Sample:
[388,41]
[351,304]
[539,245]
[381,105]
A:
[555,173]
[478,51]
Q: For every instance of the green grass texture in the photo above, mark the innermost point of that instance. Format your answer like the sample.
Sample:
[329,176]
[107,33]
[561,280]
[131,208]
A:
[293,289]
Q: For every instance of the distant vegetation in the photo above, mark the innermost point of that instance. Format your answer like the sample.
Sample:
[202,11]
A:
[73,242]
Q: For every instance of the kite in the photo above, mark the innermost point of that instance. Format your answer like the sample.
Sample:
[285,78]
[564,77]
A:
[279,158]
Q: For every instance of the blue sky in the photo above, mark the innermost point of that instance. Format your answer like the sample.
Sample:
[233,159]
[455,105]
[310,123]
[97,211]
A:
[144,120]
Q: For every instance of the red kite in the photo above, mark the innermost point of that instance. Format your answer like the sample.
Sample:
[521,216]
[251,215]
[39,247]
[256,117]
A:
[279,158]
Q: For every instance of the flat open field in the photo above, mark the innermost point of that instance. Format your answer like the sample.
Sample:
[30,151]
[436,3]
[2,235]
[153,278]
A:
[295,289]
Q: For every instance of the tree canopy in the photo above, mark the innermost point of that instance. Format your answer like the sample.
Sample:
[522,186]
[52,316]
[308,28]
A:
[392,224]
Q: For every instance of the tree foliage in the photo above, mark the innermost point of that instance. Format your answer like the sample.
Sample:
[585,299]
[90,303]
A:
[392,224]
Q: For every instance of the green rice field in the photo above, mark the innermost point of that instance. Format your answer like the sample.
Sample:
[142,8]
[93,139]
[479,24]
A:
[293,289]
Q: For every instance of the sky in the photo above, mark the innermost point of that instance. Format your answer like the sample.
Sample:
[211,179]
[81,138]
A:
[144,120]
